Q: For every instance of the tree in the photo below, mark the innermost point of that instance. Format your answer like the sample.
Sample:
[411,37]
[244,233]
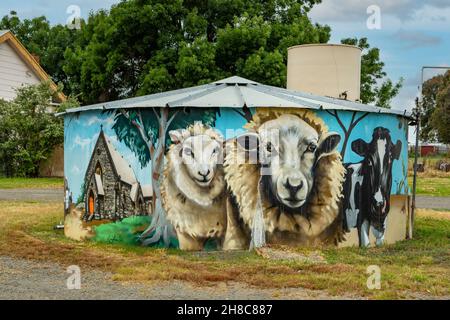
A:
[143,47]
[430,91]
[140,47]
[374,87]
[347,130]
[47,43]
[29,132]
[440,118]
[145,132]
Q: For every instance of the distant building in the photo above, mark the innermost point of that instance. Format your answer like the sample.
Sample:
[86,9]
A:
[111,188]
[430,149]
[18,67]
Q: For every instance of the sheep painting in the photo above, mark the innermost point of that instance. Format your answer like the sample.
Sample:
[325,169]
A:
[297,180]
[193,188]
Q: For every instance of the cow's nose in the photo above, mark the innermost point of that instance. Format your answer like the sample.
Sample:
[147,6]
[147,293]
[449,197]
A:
[293,187]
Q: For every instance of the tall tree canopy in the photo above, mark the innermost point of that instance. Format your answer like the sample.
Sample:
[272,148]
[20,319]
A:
[146,46]
[375,87]
[435,118]
[440,117]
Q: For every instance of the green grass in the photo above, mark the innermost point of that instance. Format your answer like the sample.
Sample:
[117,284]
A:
[32,183]
[432,186]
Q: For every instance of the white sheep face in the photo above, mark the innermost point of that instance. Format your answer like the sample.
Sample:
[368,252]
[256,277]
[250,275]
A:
[288,149]
[200,154]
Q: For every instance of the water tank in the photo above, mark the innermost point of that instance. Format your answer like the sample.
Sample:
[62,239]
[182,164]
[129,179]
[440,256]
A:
[325,69]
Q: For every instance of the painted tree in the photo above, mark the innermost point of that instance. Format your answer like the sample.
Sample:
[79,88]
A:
[347,130]
[145,132]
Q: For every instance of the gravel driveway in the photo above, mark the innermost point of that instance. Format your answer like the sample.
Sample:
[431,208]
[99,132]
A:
[25,279]
[430,202]
[32,194]
[426,202]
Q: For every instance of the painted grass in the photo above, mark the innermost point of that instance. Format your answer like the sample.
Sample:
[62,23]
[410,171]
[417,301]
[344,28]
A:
[420,266]
[432,186]
[31,183]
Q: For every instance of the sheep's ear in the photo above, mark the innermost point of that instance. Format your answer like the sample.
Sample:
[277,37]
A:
[248,141]
[327,144]
[396,150]
[360,147]
[177,136]
[216,134]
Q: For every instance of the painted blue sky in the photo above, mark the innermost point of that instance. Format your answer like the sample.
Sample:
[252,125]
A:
[80,135]
[413,34]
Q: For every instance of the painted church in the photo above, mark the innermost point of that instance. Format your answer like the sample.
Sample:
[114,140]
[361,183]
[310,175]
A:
[111,189]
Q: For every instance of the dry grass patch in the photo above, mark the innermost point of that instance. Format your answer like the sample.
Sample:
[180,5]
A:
[420,265]
[436,214]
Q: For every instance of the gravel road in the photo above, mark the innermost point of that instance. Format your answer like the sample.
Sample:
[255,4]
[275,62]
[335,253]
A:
[426,202]
[430,202]
[26,279]
[32,195]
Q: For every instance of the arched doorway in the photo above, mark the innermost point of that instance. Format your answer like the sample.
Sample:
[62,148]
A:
[91,203]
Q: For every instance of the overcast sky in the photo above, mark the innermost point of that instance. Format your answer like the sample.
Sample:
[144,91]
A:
[412,34]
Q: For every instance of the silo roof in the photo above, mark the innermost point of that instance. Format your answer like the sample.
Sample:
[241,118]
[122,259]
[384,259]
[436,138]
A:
[237,92]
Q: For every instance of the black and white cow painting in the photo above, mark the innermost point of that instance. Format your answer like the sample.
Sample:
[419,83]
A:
[368,184]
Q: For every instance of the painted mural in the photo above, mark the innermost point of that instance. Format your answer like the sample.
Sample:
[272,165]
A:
[232,178]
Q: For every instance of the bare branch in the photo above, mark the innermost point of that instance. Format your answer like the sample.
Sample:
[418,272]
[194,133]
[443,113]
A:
[156,114]
[171,119]
[140,129]
[341,124]
[359,119]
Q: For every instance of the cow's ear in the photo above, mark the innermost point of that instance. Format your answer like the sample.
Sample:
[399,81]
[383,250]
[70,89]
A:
[248,141]
[327,144]
[396,150]
[360,147]
[178,136]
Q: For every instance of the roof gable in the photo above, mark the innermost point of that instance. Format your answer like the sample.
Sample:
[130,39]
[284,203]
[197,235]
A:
[120,166]
[123,168]
[7,36]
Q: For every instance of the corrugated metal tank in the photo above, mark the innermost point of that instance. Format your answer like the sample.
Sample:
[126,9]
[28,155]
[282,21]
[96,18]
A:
[325,69]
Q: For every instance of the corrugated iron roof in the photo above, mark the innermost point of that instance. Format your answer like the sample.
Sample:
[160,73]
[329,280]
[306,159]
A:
[237,92]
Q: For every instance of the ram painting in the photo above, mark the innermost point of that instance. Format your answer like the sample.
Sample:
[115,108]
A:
[297,181]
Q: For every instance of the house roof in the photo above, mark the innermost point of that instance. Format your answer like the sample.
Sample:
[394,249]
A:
[123,169]
[134,191]
[27,57]
[147,191]
[99,184]
[237,92]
